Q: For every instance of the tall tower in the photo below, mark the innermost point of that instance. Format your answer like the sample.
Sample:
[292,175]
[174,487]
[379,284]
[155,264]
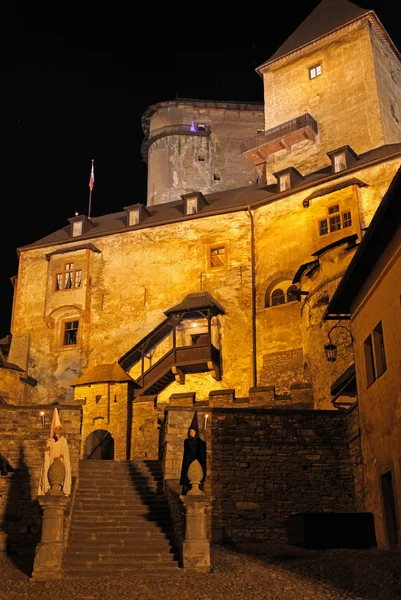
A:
[195,145]
[334,82]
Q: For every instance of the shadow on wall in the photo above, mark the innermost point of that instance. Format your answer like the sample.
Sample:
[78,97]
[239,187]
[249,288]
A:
[22,518]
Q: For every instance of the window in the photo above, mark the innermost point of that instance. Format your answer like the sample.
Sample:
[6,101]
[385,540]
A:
[216,177]
[200,127]
[218,256]
[347,220]
[76,228]
[335,221]
[340,162]
[278,297]
[285,182]
[192,206]
[70,333]
[375,357]
[69,278]
[201,158]
[133,217]
[292,293]
[315,71]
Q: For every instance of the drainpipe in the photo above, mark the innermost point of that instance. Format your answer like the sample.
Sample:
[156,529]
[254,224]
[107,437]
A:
[253,301]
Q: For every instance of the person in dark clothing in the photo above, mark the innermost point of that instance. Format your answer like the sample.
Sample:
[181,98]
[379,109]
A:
[194,449]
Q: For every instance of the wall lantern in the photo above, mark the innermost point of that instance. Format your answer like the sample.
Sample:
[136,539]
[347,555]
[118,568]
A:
[330,349]
[42,418]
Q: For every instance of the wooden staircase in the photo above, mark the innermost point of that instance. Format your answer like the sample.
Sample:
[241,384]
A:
[120,522]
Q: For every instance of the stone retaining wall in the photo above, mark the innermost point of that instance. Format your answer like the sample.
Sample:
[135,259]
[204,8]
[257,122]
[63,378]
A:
[21,442]
[265,464]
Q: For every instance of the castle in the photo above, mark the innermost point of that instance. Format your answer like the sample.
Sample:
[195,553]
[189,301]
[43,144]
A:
[215,293]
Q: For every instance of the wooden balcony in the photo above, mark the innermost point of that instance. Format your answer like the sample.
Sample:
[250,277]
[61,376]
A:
[258,148]
[175,364]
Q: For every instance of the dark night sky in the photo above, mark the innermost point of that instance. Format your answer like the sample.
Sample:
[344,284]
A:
[74,87]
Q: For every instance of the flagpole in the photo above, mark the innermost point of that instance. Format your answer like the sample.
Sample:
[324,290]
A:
[91,184]
[90,202]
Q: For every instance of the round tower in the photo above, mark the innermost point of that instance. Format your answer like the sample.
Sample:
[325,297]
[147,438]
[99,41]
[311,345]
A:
[195,145]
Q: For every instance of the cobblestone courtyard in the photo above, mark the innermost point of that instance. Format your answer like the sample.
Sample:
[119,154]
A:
[280,572]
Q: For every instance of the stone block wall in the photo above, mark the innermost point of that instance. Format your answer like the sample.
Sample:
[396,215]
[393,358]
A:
[22,439]
[265,464]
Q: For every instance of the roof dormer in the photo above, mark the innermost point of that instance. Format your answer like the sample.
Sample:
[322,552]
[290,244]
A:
[288,178]
[136,214]
[193,202]
[342,158]
[80,224]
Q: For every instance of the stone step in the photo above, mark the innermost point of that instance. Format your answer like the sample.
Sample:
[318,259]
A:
[119,505]
[95,547]
[142,532]
[86,558]
[119,570]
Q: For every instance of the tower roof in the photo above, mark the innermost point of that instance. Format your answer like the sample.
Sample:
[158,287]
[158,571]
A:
[328,16]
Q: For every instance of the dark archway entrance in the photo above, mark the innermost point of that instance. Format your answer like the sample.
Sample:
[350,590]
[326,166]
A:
[99,445]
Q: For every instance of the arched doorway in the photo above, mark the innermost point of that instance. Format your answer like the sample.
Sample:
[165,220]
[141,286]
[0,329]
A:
[99,445]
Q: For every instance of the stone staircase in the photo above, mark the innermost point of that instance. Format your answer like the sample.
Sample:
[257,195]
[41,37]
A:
[120,521]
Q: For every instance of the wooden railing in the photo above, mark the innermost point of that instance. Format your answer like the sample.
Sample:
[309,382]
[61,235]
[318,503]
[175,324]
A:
[280,131]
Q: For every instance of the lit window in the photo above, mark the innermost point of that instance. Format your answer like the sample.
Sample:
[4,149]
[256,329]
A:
[336,221]
[133,218]
[340,163]
[347,219]
[70,333]
[76,228]
[285,182]
[192,206]
[375,357]
[278,297]
[200,127]
[69,278]
[218,256]
[315,71]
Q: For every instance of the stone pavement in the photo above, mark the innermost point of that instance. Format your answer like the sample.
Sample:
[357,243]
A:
[278,572]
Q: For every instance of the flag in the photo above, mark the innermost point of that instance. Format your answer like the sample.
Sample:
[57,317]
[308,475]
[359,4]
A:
[92,177]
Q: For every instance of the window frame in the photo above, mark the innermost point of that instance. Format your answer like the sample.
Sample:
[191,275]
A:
[77,228]
[224,254]
[133,213]
[284,182]
[314,69]
[334,221]
[375,355]
[73,273]
[64,330]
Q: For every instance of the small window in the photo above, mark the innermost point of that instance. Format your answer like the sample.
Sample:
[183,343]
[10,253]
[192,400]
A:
[70,334]
[292,293]
[335,223]
[218,256]
[216,177]
[278,297]
[315,71]
[201,158]
[192,206]
[340,162]
[285,182]
[333,209]
[133,217]
[260,130]
[375,357]
[70,278]
[200,127]
[76,228]
[347,219]
[323,227]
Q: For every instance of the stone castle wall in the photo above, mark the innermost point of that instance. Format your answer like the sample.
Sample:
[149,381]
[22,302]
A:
[22,440]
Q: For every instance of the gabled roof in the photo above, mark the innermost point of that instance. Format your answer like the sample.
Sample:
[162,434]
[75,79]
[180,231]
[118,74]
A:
[194,302]
[109,373]
[328,16]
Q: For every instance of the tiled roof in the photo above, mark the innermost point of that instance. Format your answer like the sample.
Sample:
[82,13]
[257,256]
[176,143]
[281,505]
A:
[103,374]
[328,16]
[217,202]
[196,301]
